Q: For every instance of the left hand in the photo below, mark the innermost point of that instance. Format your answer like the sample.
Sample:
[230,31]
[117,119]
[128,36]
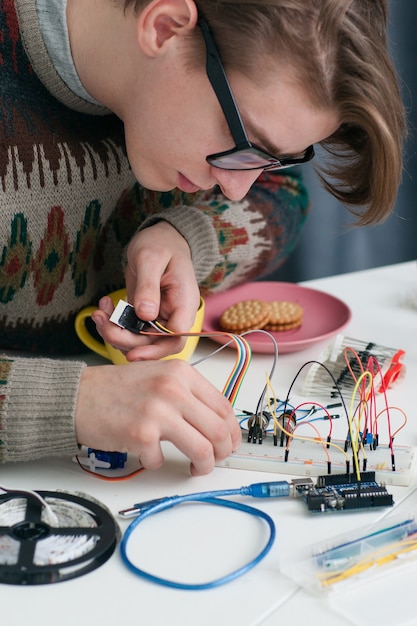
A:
[161,284]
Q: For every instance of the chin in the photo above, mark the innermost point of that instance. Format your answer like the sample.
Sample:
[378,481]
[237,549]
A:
[152,183]
[156,187]
[148,175]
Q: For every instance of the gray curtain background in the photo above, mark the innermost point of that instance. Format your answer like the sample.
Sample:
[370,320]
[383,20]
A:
[330,243]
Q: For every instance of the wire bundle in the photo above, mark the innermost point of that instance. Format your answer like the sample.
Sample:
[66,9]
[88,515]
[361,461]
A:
[353,558]
[362,417]
[242,362]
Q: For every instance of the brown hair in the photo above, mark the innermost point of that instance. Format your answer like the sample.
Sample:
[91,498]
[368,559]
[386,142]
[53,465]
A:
[338,51]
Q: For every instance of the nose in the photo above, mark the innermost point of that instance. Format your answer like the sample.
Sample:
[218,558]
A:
[235,184]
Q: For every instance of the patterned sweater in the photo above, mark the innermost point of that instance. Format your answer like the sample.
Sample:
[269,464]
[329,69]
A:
[69,205]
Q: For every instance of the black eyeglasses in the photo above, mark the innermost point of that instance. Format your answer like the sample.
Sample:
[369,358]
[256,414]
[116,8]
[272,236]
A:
[245,155]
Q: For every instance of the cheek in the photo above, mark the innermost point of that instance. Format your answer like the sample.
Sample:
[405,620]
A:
[147,166]
[173,134]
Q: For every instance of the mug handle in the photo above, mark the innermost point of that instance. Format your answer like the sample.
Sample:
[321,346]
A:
[85,336]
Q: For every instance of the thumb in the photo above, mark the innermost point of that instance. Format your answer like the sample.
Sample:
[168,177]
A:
[144,293]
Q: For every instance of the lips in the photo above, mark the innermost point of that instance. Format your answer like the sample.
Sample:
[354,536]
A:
[186,185]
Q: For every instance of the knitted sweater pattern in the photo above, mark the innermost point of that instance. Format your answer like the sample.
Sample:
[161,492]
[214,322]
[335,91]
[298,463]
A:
[69,206]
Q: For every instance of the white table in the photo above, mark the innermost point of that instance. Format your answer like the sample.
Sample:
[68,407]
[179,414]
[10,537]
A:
[380,303]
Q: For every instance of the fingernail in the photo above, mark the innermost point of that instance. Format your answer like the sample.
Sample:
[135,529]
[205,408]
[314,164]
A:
[147,310]
[103,302]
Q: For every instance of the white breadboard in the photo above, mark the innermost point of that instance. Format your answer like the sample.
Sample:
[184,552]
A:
[307,458]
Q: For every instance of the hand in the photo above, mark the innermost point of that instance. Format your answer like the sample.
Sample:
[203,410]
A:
[161,284]
[132,408]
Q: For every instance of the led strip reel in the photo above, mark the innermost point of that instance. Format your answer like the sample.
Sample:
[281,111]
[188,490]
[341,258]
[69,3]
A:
[48,537]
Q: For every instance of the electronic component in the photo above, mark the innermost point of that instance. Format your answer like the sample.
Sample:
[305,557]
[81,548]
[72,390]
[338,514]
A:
[353,550]
[287,423]
[307,457]
[124,316]
[288,448]
[142,510]
[257,425]
[358,557]
[49,537]
[346,370]
[330,490]
[112,460]
[344,492]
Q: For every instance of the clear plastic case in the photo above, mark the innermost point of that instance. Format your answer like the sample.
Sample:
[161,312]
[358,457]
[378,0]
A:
[353,558]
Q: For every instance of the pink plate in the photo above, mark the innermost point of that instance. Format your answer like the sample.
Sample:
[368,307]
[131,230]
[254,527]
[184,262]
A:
[324,315]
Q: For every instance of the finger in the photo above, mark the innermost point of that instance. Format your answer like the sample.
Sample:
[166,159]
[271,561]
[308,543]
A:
[204,446]
[144,289]
[150,455]
[116,336]
[223,432]
[136,347]
[204,435]
[220,409]
[156,350]
[106,305]
[182,435]
[183,314]
[195,446]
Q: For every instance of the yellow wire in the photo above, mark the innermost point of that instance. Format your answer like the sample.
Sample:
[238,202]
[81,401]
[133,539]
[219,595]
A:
[247,353]
[354,441]
[405,546]
[362,406]
[289,434]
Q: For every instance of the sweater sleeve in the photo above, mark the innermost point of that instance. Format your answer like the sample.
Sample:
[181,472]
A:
[37,407]
[235,242]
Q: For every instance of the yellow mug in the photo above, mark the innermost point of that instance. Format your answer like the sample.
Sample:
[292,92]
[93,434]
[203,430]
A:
[107,351]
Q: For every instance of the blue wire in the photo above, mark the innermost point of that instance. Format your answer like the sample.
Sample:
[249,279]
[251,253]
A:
[207,497]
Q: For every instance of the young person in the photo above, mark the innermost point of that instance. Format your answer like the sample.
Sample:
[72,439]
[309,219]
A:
[207,106]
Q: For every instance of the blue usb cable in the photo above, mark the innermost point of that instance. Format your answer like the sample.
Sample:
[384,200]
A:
[143,510]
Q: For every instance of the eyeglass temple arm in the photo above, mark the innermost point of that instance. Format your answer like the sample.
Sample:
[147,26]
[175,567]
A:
[219,82]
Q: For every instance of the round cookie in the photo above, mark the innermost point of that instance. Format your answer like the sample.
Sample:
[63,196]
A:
[245,315]
[284,315]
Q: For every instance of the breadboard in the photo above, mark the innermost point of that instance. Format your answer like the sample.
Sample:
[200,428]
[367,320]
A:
[307,458]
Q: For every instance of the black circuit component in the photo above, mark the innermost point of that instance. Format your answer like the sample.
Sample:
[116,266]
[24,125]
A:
[344,492]
[342,479]
[257,425]
[287,422]
[124,316]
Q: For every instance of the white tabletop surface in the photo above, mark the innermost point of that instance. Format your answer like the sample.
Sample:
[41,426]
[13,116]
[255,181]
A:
[217,540]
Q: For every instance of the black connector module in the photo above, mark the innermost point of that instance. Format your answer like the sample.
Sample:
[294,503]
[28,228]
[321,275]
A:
[124,316]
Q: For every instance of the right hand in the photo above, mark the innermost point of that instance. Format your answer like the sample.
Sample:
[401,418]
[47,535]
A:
[160,283]
[132,408]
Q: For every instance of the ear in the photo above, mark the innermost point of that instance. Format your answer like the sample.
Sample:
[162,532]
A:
[161,20]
